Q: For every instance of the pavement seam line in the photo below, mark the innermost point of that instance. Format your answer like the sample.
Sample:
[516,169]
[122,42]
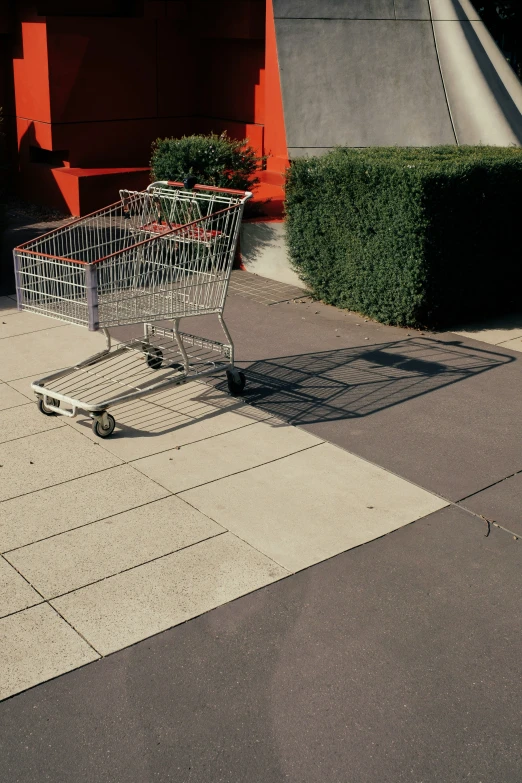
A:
[98,653]
[489,486]
[248,543]
[38,603]
[234,473]
[59,483]
[179,624]
[87,524]
[138,565]
[32,331]
[25,608]
[122,461]
[30,434]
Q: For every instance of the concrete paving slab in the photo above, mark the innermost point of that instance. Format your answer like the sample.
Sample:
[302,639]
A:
[49,458]
[144,428]
[25,420]
[125,608]
[233,452]
[495,332]
[80,557]
[7,305]
[43,352]
[501,503]
[397,661]
[24,323]
[36,645]
[197,400]
[48,512]
[10,398]
[16,594]
[312,505]
[23,386]
[513,345]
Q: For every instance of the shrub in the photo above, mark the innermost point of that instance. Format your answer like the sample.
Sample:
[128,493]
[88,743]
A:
[213,160]
[409,236]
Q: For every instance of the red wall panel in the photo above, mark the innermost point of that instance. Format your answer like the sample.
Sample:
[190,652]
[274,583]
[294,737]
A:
[177,68]
[31,73]
[230,80]
[101,68]
[117,143]
[101,89]
[275,134]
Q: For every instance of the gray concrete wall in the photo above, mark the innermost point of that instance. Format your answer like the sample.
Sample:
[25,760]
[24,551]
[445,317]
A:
[360,73]
[264,252]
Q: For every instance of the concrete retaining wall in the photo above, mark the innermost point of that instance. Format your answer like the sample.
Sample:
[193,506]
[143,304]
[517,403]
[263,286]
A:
[359,73]
[264,251]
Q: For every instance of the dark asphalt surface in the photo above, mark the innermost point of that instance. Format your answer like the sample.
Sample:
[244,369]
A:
[396,661]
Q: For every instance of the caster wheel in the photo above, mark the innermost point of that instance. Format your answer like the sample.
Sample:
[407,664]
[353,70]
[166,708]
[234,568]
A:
[236,383]
[154,358]
[177,366]
[98,429]
[42,407]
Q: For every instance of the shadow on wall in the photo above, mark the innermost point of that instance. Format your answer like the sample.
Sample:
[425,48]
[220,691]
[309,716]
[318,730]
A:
[356,382]
[509,109]
[36,180]
[262,240]
[20,230]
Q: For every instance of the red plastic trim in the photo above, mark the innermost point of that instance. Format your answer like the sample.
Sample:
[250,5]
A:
[212,188]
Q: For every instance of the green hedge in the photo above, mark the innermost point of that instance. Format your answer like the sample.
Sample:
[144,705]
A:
[213,160]
[409,236]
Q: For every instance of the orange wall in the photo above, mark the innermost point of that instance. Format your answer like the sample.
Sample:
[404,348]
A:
[275,134]
[98,90]
[31,73]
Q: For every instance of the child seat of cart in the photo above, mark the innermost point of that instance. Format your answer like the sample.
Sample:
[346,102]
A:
[169,211]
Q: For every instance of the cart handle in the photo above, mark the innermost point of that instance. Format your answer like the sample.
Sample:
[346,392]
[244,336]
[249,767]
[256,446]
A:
[245,193]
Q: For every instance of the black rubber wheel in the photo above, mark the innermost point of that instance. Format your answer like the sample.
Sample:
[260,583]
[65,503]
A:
[177,366]
[98,429]
[42,407]
[236,387]
[154,358]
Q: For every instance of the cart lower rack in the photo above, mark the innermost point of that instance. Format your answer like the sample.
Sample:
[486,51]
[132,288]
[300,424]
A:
[163,254]
[125,371]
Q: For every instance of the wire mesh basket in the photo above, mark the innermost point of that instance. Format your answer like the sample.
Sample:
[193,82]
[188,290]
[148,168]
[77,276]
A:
[163,253]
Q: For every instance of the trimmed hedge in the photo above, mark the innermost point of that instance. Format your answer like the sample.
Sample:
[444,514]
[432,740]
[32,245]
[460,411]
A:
[213,160]
[409,236]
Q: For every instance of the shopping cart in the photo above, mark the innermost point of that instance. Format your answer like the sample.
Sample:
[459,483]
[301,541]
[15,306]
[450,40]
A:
[162,254]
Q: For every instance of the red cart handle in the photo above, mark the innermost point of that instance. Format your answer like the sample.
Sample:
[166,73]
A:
[212,188]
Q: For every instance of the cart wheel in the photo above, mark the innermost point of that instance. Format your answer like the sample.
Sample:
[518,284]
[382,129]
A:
[42,407]
[236,382]
[154,358]
[98,429]
[177,366]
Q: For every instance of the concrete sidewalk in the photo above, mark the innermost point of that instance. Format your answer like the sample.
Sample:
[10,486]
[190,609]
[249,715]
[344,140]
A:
[200,498]
[197,499]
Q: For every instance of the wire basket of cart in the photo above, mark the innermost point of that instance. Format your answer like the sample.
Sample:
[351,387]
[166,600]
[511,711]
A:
[158,255]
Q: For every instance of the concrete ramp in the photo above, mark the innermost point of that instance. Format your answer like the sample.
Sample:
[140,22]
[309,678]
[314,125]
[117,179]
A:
[359,73]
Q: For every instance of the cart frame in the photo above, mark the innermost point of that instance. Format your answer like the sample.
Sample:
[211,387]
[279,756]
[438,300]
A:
[129,368]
